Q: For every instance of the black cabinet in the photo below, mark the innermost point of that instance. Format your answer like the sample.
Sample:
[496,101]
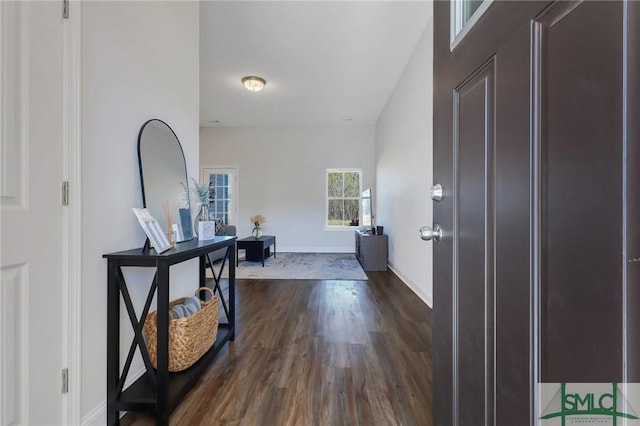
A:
[371,251]
[158,391]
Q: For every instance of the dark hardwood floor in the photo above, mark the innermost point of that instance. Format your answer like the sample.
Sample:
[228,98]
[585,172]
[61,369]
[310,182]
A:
[318,353]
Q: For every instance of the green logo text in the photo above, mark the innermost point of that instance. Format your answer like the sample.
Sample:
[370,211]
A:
[610,404]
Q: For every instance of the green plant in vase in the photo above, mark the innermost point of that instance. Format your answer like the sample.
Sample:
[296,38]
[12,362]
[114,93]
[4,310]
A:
[203,193]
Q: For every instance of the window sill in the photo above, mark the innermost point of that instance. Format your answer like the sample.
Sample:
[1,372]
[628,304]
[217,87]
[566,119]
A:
[341,228]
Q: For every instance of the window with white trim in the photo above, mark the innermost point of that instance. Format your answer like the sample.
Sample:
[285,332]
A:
[222,194]
[343,197]
[464,15]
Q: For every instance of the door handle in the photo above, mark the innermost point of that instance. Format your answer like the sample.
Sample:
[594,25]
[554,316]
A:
[427,233]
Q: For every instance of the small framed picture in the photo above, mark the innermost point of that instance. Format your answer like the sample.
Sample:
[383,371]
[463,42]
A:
[206,230]
[151,227]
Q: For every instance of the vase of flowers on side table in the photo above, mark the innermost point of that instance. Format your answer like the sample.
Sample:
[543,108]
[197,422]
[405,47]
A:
[257,220]
[203,192]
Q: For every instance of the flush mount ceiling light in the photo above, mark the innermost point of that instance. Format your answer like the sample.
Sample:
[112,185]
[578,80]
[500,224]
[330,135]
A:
[253,83]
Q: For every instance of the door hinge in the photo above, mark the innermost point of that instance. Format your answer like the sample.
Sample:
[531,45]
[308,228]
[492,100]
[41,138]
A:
[65,193]
[65,380]
[65,9]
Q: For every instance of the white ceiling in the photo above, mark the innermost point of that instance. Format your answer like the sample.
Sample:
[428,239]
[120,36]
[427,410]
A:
[325,62]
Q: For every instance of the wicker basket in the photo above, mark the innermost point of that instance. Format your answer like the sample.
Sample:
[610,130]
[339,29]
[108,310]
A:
[189,337]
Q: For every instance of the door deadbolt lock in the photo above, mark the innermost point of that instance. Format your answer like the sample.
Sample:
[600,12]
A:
[437,192]
[427,233]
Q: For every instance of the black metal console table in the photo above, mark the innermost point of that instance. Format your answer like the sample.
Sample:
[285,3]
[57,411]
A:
[159,391]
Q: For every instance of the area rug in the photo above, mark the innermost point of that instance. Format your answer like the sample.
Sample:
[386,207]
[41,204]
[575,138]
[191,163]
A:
[302,266]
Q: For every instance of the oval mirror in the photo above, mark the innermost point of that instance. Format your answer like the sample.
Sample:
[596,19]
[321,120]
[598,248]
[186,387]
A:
[163,174]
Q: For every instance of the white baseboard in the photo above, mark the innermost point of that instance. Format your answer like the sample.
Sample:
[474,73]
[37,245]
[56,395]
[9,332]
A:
[98,416]
[421,294]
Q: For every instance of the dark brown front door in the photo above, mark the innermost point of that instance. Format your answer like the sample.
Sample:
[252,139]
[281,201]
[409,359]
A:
[536,143]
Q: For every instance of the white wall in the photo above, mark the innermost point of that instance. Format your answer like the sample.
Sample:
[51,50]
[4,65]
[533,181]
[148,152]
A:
[404,169]
[140,61]
[281,174]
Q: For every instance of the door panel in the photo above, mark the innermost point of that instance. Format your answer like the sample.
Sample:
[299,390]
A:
[31,291]
[514,372]
[581,188]
[502,384]
[557,274]
[12,93]
[473,234]
[631,291]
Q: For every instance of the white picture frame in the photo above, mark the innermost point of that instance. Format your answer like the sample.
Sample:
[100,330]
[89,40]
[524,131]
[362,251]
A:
[152,229]
[206,230]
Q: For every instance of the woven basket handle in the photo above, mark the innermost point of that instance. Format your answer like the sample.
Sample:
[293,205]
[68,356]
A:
[202,289]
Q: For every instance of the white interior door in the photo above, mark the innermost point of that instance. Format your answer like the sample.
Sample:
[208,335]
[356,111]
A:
[31,269]
[223,202]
